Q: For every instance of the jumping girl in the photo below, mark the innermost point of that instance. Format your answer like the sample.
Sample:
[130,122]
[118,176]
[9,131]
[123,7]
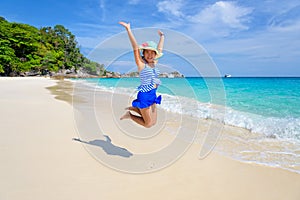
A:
[145,104]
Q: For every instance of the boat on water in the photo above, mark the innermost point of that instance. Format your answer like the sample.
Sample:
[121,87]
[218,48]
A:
[227,76]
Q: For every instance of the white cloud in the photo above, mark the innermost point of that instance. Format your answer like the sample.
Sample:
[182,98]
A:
[171,7]
[223,13]
[102,8]
[133,2]
[289,19]
[215,20]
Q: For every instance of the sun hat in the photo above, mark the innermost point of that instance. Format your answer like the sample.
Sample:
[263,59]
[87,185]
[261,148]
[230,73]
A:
[150,45]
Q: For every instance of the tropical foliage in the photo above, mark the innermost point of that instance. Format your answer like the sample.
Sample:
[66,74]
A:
[24,48]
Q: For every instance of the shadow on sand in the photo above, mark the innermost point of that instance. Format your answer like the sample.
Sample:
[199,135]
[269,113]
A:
[108,147]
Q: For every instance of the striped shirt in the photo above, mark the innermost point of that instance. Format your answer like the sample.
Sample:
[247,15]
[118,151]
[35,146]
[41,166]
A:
[149,78]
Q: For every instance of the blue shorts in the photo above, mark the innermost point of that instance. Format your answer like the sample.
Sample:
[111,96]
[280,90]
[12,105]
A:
[146,99]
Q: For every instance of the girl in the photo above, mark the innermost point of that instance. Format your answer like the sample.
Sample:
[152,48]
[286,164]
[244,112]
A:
[145,104]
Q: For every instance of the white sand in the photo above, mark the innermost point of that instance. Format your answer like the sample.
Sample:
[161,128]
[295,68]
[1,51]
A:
[39,160]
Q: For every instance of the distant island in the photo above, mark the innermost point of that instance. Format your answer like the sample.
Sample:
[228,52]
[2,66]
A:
[174,74]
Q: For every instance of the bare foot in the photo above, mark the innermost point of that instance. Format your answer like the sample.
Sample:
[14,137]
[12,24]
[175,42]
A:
[131,108]
[126,116]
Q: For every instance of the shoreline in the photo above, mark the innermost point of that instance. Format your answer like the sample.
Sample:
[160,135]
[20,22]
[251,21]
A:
[41,161]
[236,142]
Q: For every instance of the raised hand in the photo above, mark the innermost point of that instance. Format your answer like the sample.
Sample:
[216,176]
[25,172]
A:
[160,33]
[126,25]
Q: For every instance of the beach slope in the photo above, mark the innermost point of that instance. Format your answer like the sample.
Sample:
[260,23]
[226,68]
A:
[40,160]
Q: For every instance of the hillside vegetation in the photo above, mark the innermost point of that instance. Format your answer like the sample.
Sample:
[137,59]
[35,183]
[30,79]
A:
[26,50]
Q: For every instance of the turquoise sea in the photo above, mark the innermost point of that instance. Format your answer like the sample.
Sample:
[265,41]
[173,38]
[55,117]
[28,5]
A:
[268,108]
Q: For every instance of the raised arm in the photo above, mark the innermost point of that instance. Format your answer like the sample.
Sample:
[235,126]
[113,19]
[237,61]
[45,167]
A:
[138,60]
[160,45]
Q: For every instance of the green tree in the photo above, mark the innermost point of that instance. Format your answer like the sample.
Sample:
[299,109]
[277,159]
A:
[24,48]
[7,58]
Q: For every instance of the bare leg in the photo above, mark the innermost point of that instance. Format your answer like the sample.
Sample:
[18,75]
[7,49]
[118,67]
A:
[128,115]
[153,114]
[135,109]
[145,119]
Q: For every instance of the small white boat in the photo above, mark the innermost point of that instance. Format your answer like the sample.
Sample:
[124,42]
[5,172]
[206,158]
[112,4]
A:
[227,76]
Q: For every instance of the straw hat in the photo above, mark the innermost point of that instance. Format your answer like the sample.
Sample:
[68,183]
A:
[150,45]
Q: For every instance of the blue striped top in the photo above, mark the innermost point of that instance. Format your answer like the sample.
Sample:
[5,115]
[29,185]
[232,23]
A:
[149,78]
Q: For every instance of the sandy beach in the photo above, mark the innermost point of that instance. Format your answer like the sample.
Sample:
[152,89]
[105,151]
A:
[41,160]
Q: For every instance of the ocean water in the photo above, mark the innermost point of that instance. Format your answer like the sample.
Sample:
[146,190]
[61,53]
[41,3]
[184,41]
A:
[267,108]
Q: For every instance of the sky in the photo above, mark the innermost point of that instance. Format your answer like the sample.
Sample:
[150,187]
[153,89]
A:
[242,37]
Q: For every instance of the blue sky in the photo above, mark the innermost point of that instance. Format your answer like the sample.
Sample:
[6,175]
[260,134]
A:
[244,38]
